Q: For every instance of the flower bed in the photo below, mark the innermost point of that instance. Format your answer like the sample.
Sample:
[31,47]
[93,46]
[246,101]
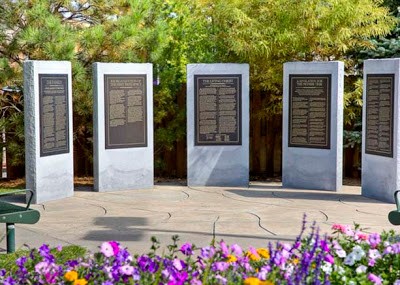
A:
[348,256]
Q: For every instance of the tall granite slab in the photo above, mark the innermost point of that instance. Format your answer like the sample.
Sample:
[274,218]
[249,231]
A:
[123,126]
[312,125]
[218,124]
[48,129]
[380,145]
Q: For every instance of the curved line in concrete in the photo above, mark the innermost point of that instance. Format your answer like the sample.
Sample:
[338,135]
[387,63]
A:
[260,225]
[187,195]
[101,207]
[326,216]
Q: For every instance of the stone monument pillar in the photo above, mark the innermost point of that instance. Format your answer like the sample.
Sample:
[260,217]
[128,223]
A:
[48,129]
[380,149]
[123,126]
[312,125]
[218,124]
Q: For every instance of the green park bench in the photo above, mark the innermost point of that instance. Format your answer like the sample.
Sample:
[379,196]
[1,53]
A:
[12,214]
[394,216]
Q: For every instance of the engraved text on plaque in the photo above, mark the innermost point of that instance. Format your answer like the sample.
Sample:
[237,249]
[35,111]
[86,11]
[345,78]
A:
[125,111]
[217,109]
[379,114]
[53,108]
[309,110]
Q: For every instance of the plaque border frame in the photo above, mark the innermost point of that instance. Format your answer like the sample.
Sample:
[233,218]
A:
[329,110]
[392,77]
[197,142]
[55,151]
[106,112]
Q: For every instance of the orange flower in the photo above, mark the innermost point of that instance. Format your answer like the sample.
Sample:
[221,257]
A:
[231,258]
[71,275]
[253,255]
[256,281]
[81,281]
[263,253]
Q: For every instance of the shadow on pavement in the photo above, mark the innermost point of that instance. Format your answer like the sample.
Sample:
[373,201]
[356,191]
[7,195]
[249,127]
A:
[303,195]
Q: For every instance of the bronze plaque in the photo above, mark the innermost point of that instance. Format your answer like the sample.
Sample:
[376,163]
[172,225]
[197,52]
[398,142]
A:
[53,109]
[309,110]
[125,110]
[218,109]
[379,114]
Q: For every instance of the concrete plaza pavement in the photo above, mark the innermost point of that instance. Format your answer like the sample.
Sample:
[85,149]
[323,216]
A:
[248,216]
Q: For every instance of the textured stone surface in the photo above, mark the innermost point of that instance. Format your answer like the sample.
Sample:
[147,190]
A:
[218,165]
[380,174]
[310,168]
[124,168]
[248,216]
[50,177]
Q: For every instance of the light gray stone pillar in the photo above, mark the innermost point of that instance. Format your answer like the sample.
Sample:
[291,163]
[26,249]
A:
[312,125]
[218,124]
[380,147]
[123,126]
[48,129]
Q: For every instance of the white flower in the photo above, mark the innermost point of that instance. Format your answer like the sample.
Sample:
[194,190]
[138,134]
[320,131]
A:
[350,259]
[341,253]
[339,269]
[358,252]
[326,267]
[351,282]
[361,269]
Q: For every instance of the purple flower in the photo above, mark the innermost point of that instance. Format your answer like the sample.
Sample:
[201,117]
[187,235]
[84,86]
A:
[207,252]
[224,248]
[3,272]
[107,283]
[9,281]
[21,261]
[220,266]
[374,239]
[44,251]
[329,258]
[324,245]
[374,279]
[178,264]
[186,249]
[236,249]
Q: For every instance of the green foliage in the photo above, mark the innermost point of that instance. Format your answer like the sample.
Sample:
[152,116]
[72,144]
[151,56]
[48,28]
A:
[70,252]
[170,34]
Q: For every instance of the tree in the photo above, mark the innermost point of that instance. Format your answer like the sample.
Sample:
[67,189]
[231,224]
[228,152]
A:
[172,33]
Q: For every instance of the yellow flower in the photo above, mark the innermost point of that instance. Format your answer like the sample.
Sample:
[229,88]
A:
[295,261]
[231,258]
[263,253]
[253,256]
[256,281]
[71,275]
[81,281]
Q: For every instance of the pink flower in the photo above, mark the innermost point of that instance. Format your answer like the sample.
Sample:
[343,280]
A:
[329,258]
[374,279]
[361,236]
[107,249]
[126,270]
[115,246]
